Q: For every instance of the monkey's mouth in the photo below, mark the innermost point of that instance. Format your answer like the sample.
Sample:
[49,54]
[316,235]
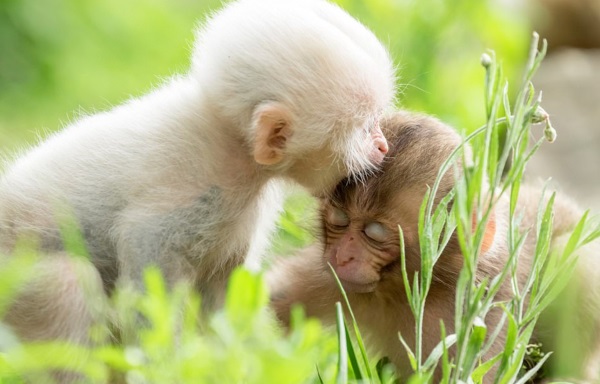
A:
[358,288]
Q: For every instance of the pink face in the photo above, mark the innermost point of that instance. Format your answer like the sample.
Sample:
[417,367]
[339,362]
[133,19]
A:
[358,249]
[320,170]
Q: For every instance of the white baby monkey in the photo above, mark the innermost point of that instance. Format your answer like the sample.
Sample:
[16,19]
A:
[186,178]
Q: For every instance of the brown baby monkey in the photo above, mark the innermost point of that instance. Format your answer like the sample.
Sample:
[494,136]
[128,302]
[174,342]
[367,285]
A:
[361,242]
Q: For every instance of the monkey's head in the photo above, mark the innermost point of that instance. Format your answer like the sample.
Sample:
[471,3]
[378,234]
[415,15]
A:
[361,219]
[302,82]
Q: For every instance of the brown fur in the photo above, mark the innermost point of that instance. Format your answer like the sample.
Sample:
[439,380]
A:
[418,146]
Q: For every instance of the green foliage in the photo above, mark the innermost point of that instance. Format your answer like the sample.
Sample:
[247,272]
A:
[240,343]
[294,224]
[477,191]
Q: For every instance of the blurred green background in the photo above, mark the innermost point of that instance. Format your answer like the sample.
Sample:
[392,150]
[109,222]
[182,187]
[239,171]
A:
[62,58]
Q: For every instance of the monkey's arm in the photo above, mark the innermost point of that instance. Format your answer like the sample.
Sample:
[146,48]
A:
[178,237]
[303,279]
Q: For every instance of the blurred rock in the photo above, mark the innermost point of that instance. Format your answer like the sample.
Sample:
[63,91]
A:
[570,81]
[567,23]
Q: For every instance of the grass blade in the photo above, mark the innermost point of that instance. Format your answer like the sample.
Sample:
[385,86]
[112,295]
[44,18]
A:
[342,373]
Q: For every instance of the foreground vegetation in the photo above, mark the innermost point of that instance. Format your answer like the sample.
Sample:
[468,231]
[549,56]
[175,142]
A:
[243,343]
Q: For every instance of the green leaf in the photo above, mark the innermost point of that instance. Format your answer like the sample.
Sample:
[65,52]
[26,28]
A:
[357,333]
[531,372]
[475,343]
[342,375]
[405,279]
[352,355]
[438,351]
[509,373]
[411,356]
[246,296]
[481,370]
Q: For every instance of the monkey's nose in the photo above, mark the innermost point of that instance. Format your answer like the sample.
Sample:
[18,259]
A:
[382,145]
[379,139]
[379,150]
[341,261]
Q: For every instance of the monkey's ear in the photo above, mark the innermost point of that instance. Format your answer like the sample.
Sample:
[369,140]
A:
[489,234]
[272,124]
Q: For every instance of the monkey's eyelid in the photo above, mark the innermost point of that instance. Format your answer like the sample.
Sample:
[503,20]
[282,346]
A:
[376,231]
[337,217]
[336,230]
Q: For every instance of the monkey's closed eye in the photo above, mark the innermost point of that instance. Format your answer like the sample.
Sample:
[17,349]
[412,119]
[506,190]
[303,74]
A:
[376,231]
[337,217]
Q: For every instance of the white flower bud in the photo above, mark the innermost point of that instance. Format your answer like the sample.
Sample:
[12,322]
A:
[550,132]
[486,60]
[540,116]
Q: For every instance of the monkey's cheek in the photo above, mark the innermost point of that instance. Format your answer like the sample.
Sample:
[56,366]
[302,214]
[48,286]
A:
[358,288]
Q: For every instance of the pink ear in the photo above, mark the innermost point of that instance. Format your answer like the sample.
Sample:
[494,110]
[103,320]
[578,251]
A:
[489,234]
[272,127]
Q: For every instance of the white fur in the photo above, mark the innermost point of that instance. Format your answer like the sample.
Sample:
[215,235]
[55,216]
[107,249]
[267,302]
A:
[347,80]
[168,178]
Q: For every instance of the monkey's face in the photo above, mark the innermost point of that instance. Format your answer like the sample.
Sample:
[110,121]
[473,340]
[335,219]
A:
[360,246]
[357,152]
[364,147]
[361,217]
[317,153]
